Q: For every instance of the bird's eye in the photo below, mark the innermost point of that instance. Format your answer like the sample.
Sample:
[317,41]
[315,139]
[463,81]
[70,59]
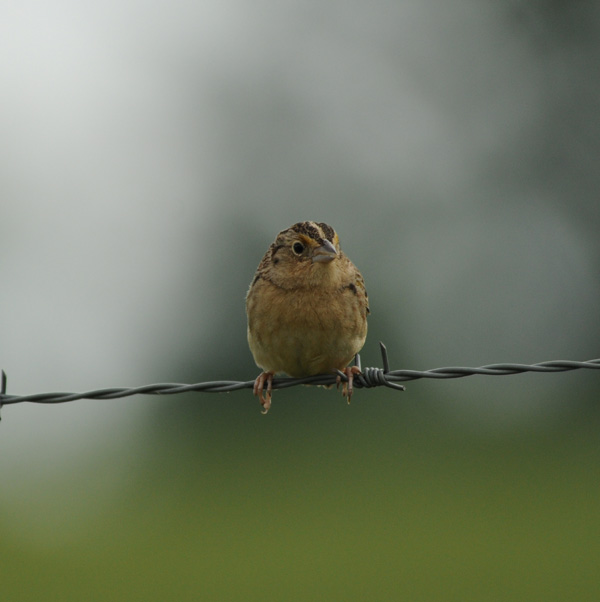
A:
[298,247]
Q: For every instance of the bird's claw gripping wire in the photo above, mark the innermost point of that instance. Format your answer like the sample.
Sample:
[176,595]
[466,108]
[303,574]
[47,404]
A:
[258,389]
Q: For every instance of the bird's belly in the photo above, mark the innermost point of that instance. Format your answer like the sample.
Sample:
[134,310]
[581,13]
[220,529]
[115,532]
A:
[314,337]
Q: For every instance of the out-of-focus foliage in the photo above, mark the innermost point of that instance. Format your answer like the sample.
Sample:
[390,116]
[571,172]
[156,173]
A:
[255,508]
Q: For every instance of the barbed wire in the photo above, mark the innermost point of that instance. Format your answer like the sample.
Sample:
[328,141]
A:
[368,378]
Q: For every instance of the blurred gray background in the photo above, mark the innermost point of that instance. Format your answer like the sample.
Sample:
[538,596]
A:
[149,154]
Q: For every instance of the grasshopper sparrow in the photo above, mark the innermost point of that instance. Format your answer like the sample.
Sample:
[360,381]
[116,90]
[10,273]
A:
[307,308]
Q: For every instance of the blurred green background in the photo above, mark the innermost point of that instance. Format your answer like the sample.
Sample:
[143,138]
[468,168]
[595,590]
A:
[151,153]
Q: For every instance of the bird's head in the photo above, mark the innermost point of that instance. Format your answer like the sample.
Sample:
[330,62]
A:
[304,254]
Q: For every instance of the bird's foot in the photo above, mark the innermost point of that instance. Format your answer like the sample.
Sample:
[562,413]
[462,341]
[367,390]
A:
[259,386]
[347,388]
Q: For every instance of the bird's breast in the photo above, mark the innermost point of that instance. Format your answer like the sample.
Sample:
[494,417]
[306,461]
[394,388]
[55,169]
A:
[305,332]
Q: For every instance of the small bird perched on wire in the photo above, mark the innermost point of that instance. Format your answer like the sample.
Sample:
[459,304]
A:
[307,309]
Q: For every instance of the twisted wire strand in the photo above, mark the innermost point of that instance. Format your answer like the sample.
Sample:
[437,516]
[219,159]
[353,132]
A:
[368,378]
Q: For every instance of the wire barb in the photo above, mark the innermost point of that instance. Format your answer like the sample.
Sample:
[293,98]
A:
[384,357]
[2,388]
[367,378]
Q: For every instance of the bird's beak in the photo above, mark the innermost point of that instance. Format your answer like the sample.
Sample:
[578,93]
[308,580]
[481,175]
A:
[325,253]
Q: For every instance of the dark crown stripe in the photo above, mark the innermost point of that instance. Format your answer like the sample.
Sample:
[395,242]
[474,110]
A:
[316,231]
[328,231]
